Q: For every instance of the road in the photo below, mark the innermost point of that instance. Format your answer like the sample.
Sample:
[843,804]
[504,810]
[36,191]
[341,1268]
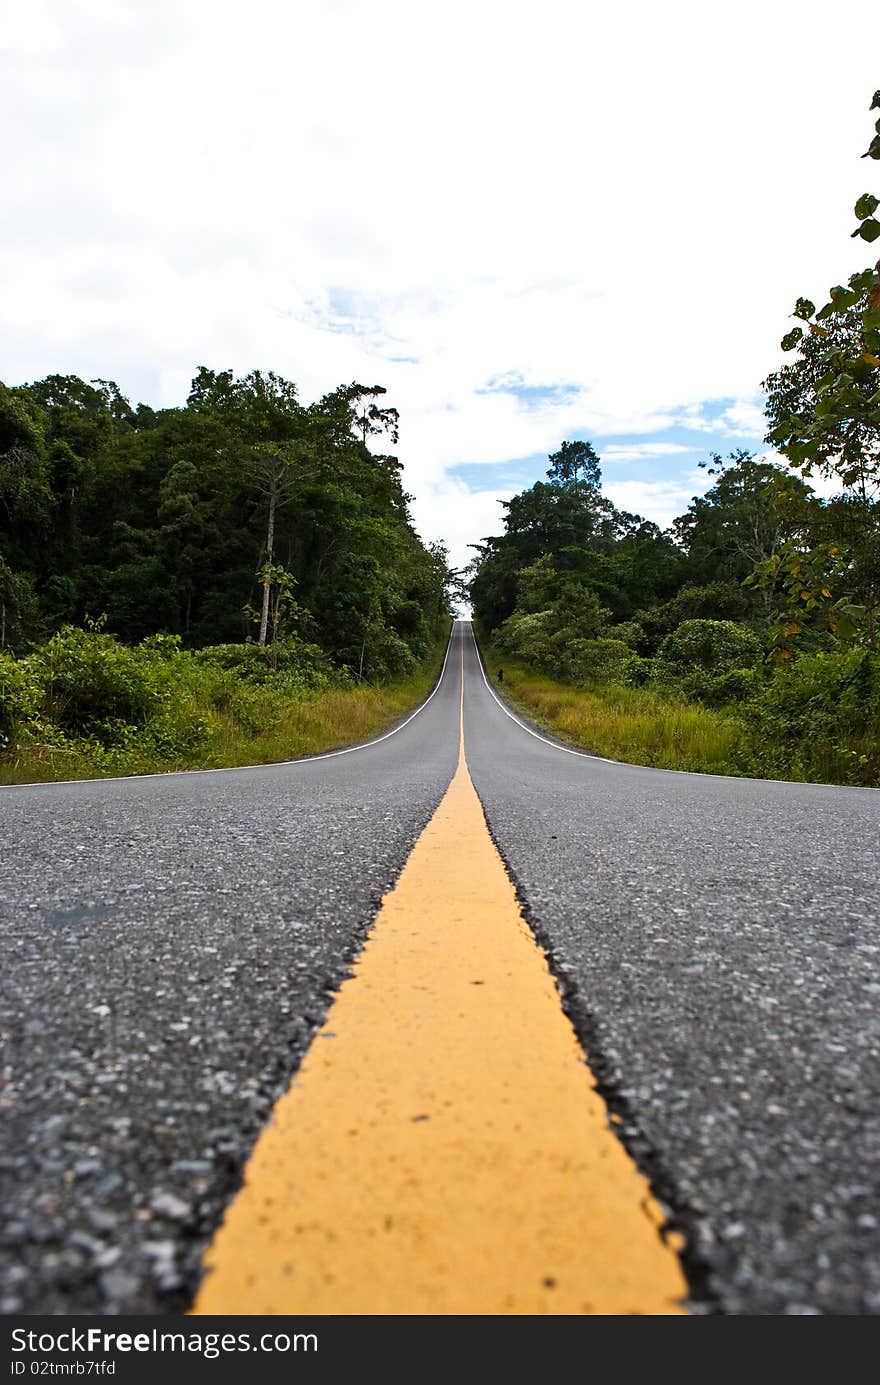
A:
[171,945]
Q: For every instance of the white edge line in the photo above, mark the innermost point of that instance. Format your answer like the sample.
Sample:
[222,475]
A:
[233,769]
[566,750]
[658,769]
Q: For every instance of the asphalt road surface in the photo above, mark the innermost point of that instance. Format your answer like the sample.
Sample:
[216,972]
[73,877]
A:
[170,945]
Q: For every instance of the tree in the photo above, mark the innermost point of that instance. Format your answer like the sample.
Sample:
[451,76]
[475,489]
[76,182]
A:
[824,412]
[270,427]
[26,505]
[836,436]
[370,419]
[739,522]
[831,421]
[188,531]
[575,464]
[168,518]
[278,470]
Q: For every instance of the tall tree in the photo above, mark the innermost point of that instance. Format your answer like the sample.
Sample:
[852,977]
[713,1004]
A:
[739,523]
[824,413]
[372,420]
[575,464]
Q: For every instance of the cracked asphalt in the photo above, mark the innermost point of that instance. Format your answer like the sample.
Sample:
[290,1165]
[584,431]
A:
[170,945]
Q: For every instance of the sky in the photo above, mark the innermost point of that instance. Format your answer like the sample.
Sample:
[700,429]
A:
[529,222]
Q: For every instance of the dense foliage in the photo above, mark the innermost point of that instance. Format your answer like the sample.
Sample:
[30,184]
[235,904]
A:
[761,602]
[602,600]
[244,515]
[83,704]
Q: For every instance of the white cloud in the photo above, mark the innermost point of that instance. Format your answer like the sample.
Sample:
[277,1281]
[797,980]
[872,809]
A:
[744,418]
[622,200]
[641,452]
[660,501]
[452,510]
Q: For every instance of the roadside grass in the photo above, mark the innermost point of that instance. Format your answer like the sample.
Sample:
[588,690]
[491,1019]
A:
[253,726]
[637,725]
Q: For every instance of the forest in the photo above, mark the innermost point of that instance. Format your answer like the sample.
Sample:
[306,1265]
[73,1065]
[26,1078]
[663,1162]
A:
[691,648]
[159,566]
[175,584]
[745,638]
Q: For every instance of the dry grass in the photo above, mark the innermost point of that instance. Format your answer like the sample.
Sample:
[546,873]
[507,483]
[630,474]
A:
[282,728]
[325,721]
[637,725]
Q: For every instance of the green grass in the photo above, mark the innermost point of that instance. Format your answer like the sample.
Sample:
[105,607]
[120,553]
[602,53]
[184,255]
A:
[638,725]
[259,726]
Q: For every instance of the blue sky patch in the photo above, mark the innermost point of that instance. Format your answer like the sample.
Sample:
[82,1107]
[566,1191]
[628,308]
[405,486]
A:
[665,455]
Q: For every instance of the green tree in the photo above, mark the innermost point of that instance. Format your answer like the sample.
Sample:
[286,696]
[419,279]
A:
[739,523]
[168,518]
[575,464]
[824,412]
[270,428]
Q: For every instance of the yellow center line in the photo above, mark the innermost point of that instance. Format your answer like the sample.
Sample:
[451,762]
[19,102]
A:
[442,1149]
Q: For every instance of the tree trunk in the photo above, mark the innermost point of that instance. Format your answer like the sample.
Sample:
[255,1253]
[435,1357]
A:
[270,543]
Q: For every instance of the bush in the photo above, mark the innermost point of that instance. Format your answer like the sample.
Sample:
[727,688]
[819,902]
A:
[709,647]
[386,655]
[737,685]
[20,696]
[290,664]
[818,718]
[727,600]
[630,631]
[636,672]
[594,661]
[829,694]
[91,684]
[528,635]
[84,705]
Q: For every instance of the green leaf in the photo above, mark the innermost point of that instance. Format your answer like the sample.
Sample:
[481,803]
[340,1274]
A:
[870,229]
[866,205]
[876,102]
[843,298]
[862,282]
[791,339]
[803,308]
[873,149]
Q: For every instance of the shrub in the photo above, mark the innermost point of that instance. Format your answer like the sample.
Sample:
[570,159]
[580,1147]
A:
[91,684]
[630,631]
[829,694]
[636,672]
[528,635]
[727,600]
[386,655]
[737,685]
[818,718]
[707,646]
[20,696]
[291,664]
[594,661]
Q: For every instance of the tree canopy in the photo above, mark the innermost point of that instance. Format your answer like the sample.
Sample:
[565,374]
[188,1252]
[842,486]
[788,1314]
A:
[170,519]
